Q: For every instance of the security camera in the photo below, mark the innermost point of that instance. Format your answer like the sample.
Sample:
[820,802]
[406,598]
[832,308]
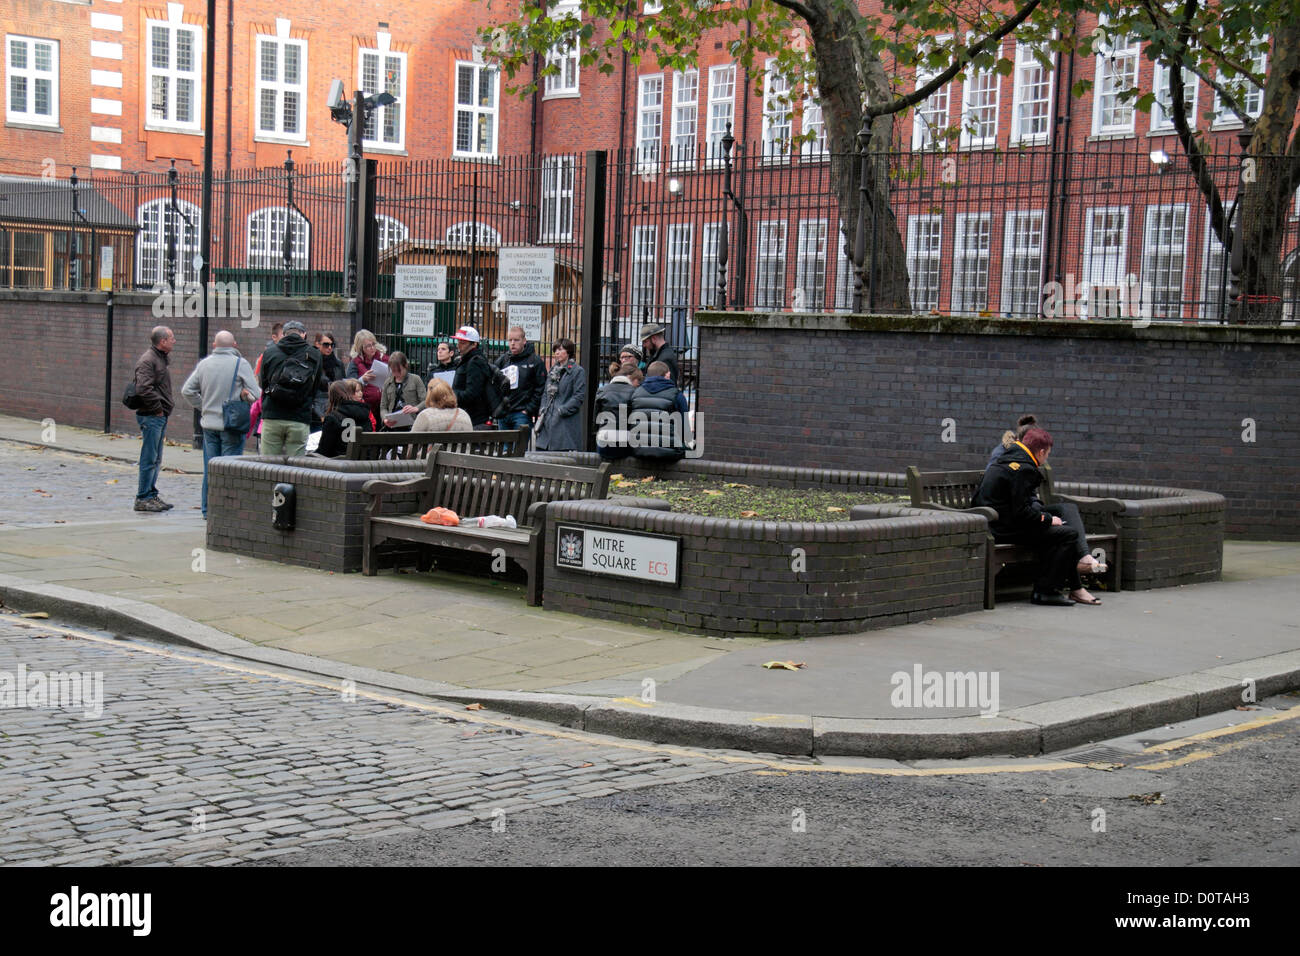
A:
[336,94]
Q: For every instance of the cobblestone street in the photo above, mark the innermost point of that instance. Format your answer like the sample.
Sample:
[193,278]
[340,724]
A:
[199,760]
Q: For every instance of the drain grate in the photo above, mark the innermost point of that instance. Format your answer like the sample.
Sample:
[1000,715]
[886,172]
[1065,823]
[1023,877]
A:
[1101,755]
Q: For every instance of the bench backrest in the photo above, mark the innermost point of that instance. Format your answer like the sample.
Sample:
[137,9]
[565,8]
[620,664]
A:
[952,489]
[473,485]
[414,446]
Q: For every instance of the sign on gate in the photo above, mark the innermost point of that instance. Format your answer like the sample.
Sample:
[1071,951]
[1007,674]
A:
[527,317]
[526,273]
[420,282]
[418,318]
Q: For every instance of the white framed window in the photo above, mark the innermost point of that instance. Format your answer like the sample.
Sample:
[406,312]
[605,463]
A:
[471,233]
[769,274]
[173,72]
[1022,264]
[843,275]
[814,122]
[1214,276]
[931,116]
[1031,99]
[32,72]
[645,253]
[1162,116]
[392,231]
[1164,260]
[711,236]
[384,71]
[1249,96]
[810,265]
[649,120]
[557,199]
[652,6]
[677,274]
[1105,259]
[1117,70]
[924,244]
[722,107]
[970,267]
[161,224]
[686,115]
[979,108]
[564,55]
[476,110]
[266,230]
[281,87]
[777,127]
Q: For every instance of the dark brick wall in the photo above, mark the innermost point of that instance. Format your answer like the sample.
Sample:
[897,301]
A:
[737,576]
[1160,406]
[58,340]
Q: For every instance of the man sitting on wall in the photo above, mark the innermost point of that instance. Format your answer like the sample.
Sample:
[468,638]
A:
[658,416]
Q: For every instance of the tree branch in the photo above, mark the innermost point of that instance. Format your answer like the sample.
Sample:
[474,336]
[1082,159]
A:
[923,92]
[813,17]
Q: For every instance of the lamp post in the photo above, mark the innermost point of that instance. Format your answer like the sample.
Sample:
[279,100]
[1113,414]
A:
[286,249]
[860,232]
[728,142]
[169,268]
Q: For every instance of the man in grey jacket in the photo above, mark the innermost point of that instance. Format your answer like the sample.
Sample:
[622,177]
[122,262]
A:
[221,377]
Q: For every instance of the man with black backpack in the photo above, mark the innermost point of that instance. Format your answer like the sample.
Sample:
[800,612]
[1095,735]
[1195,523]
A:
[482,390]
[289,377]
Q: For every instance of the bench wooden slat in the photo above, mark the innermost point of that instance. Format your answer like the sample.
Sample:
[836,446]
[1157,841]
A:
[414,446]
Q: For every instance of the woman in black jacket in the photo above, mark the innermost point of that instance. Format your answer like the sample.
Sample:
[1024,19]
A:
[1010,487]
[331,371]
[346,405]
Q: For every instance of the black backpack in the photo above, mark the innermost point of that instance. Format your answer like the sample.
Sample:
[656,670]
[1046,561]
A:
[293,381]
[498,392]
[129,397]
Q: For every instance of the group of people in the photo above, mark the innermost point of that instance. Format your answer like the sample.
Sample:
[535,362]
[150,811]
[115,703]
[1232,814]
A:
[296,389]
[1056,532]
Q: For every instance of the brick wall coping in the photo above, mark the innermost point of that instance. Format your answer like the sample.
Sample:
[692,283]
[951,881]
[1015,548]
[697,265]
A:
[771,475]
[317,472]
[1035,328]
[266,303]
[1149,499]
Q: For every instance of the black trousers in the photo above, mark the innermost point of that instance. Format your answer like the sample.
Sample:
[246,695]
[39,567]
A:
[1060,548]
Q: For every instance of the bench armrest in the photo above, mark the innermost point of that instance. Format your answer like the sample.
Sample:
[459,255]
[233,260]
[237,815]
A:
[536,515]
[377,486]
[1087,505]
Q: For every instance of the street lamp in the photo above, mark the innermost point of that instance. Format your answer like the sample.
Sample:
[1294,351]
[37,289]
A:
[1237,262]
[728,142]
[860,233]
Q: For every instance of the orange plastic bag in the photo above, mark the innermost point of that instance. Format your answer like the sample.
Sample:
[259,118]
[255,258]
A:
[441,516]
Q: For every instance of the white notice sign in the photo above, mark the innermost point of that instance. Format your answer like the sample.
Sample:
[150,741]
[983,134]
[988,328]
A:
[417,318]
[529,318]
[526,273]
[421,282]
[106,268]
[645,557]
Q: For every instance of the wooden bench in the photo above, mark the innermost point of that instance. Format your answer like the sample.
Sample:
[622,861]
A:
[471,486]
[954,491]
[414,446]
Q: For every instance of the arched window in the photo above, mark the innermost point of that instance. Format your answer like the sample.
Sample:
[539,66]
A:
[158,220]
[391,232]
[266,239]
[467,232]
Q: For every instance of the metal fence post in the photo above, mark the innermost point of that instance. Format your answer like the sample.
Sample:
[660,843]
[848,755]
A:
[593,279]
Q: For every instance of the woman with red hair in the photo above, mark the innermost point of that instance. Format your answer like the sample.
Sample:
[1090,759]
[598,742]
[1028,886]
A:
[1010,487]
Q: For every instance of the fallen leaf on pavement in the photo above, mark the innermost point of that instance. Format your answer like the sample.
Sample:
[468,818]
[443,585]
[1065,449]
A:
[1104,766]
[43,493]
[111,481]
[785,665]
[37,615]
[1148,799]
[473,706]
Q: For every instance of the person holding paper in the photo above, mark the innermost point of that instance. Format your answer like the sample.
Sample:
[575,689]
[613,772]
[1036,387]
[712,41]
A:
[366,351]
[401,395]
[526,373]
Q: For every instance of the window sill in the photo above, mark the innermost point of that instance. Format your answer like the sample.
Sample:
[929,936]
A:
[1025,142]
[383,150]
[1162,132]
[1106,137]
[561,95]
[182,130]
[281,140]
[486,160]
[976,147]
[39,127]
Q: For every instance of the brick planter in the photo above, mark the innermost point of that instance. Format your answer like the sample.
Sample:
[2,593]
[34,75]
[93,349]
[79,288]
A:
[742,577]
[330,508]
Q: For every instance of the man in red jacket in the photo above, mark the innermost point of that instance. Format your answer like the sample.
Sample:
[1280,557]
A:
[153,385]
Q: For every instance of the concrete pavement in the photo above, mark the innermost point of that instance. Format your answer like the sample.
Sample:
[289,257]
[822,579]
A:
[1045,678]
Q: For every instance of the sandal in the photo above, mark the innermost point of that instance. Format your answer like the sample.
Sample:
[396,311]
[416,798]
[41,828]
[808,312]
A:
[1093,602]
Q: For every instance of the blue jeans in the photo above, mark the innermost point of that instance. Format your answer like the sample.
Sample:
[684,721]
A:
[513,420]
[152,428]
[216,444]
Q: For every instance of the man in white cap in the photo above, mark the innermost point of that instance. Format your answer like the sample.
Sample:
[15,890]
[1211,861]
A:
[473,375]
[658,350]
